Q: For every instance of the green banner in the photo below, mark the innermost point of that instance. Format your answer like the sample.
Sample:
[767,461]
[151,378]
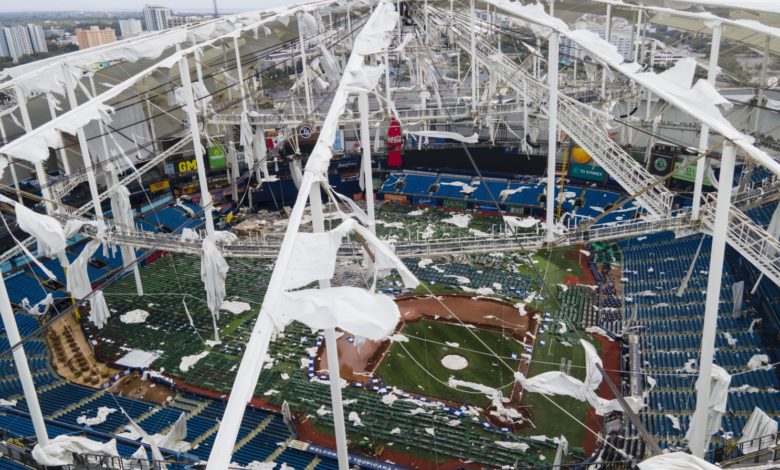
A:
[587,172]
[455,203]
[217,160]
[688,174]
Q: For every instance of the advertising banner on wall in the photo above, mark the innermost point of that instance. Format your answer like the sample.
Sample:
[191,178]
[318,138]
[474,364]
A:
[394,144]
[661,165]
[587,171]
[688,174]
[217,159]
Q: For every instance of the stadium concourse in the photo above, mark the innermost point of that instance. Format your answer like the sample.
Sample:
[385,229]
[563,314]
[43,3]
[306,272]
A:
[558,248]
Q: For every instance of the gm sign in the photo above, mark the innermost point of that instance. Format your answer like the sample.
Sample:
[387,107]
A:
[188,166]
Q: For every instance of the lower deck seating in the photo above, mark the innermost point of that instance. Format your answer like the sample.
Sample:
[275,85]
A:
[670,327]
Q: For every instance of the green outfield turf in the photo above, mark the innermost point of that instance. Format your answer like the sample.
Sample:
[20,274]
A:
[415,366]
[549,419]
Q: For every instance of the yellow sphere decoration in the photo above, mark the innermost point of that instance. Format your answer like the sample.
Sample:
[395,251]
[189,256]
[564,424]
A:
[579,155]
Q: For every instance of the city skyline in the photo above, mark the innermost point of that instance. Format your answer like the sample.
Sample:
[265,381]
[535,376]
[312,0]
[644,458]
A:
[199,6]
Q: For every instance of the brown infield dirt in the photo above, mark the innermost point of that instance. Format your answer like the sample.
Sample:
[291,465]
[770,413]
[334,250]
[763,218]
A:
[359,364]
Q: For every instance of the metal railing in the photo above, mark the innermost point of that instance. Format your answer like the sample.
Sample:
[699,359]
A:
[751,241]
[759,450]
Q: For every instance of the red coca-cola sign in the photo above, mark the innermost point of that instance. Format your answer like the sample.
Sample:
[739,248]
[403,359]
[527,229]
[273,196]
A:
[394,143]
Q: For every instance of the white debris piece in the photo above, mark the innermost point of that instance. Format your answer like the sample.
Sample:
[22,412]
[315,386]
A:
[257,465]
[455,383]
[472,139]
[399,338]
[521,446]
[430,431]
[235,307]
[458,220]
[675,421]
[188,361]
[398,225]
[759,361]
[730,339]
[428,233]
[460,279]
[354,418]
[514,223]
[389,399]
[689,367]
[424,262]
[134,316]
[100,417]
[481,291]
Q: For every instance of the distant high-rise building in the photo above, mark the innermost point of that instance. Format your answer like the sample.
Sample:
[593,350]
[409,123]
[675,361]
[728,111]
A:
[94,36]
[156,17]
[18,41]
[4,50]
[620,37]
[37,38]
[130,28]
[175,21]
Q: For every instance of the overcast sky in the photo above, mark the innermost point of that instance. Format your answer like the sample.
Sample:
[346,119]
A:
[204,6]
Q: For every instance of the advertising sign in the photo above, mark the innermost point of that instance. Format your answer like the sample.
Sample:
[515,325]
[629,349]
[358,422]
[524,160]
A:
[660,165]
[587,172]
[159,186]
[217,159]
[187,166]
[688,174]
[394,143]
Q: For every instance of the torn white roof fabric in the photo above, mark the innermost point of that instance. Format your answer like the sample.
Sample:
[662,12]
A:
[60,450]
[213,272]
[472,139]
[246,140]
[676,461]
[716,404]
[674,85]
[176,435]
[307,24]
[314,256]
[121,208]
[78,283]
[358,311]
[759,432]
[46,230]
[98,310]
[558,383]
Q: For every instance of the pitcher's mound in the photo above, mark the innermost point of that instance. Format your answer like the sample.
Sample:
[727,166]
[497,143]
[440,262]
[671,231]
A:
[454,362]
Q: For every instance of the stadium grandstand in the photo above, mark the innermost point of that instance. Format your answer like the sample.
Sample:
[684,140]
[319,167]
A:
[393,234]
